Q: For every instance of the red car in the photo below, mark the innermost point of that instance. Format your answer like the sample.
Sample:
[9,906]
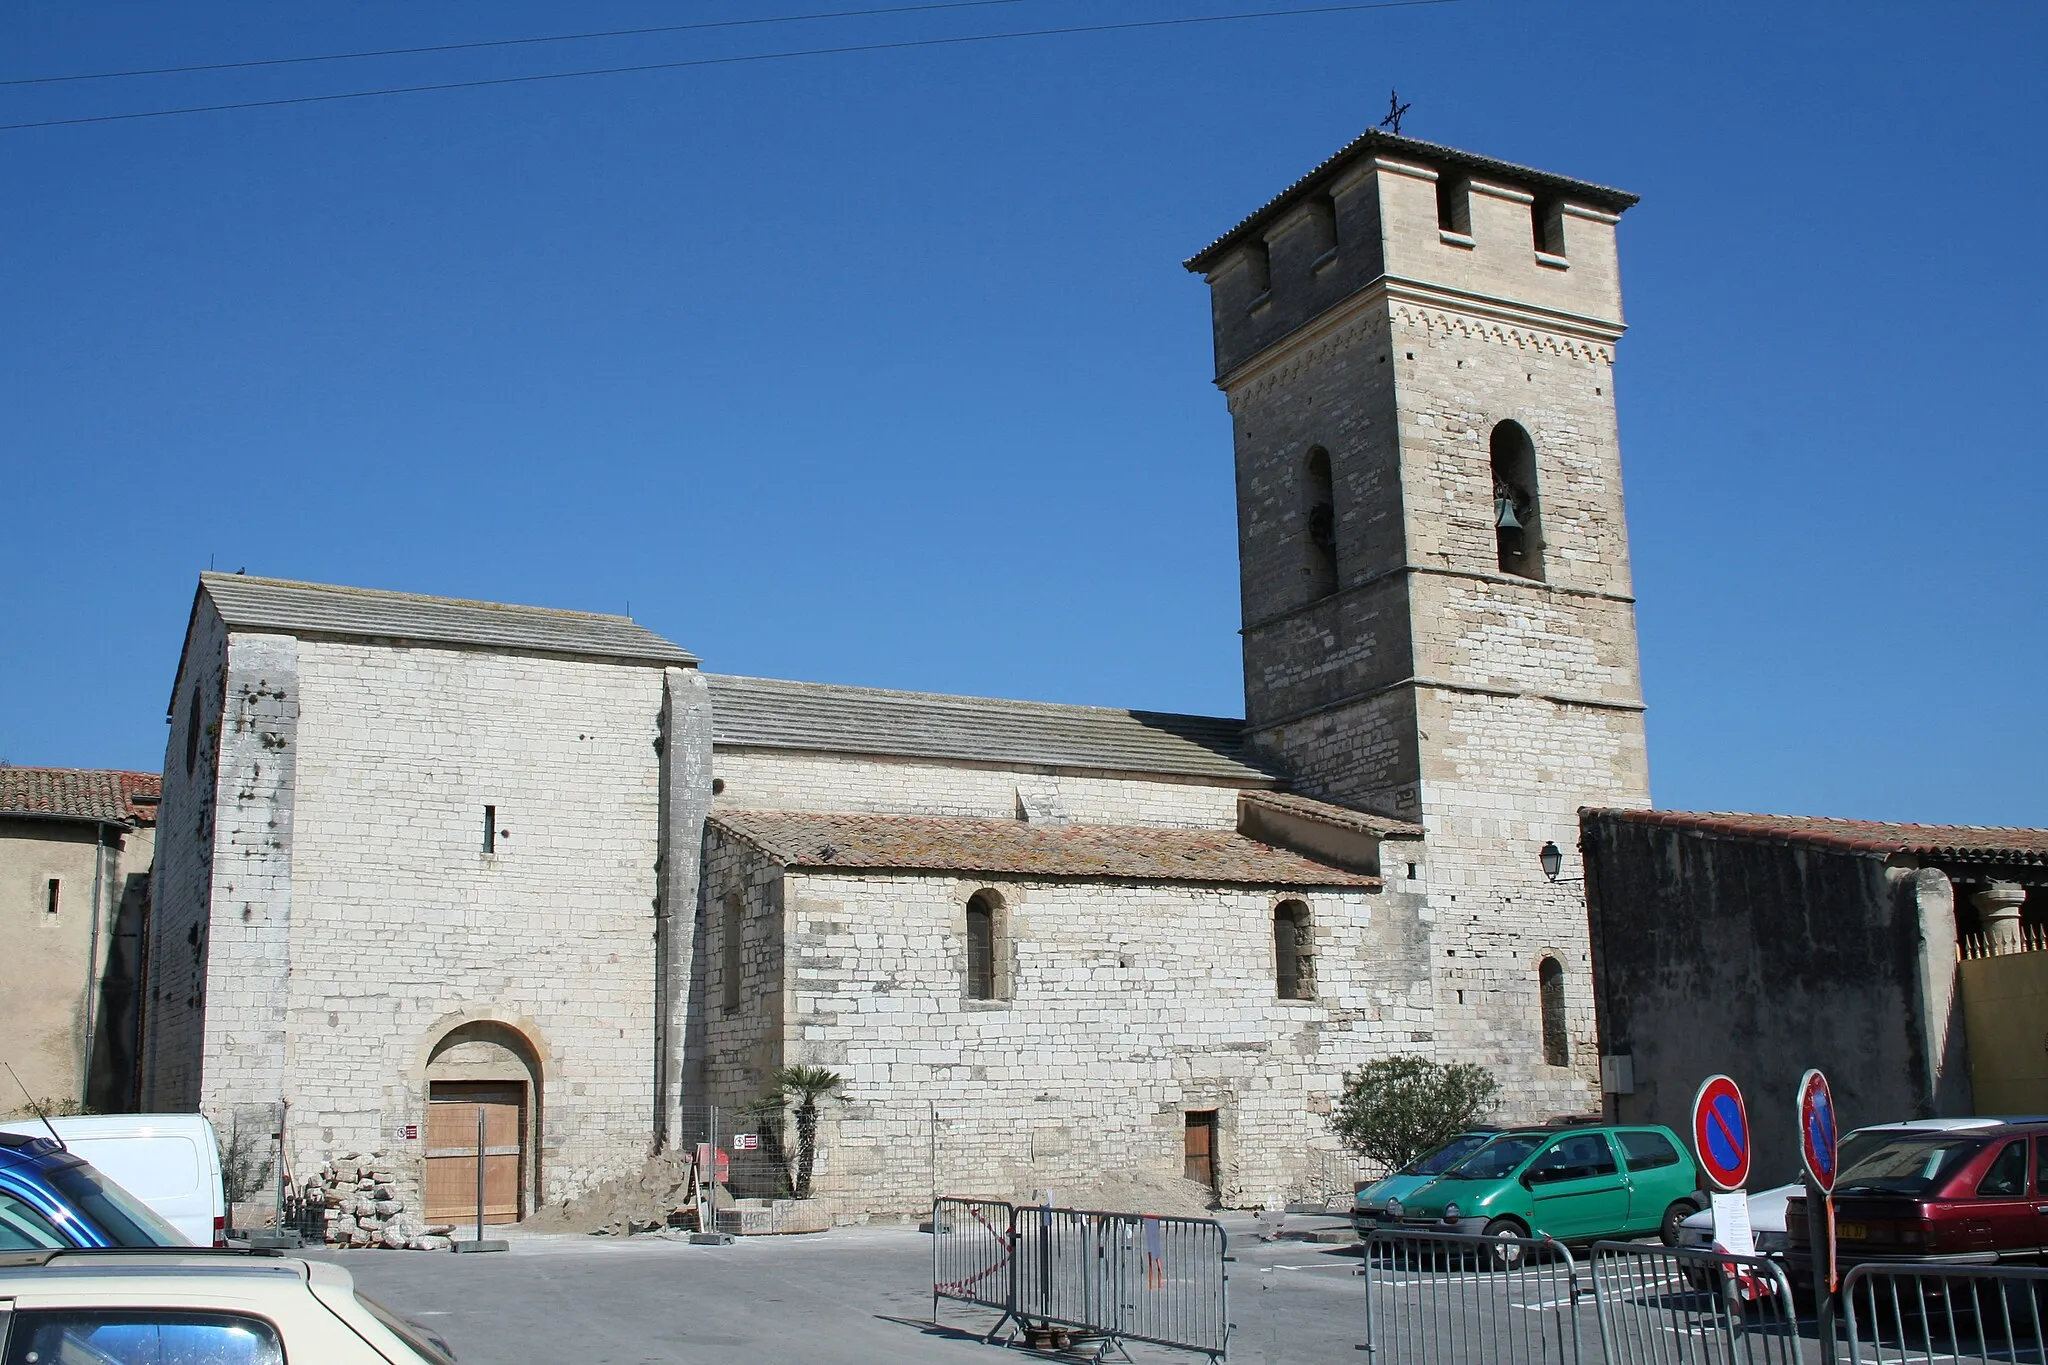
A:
[1968,1196]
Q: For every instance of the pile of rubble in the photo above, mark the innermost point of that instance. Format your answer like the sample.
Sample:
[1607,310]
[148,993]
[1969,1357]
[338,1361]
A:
[365,1208]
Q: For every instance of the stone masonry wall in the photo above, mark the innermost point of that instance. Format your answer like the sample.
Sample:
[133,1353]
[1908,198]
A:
[740,1044]
[769,779]
[181,877]
[1124,1007]
[248,955]
[404,927]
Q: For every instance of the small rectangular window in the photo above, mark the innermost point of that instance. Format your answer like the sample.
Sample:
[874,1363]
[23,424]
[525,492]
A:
[490,829]
[50,898]
[1323,213]
[731,935]
[981,949]
[1647,1151]
[1258,265]
[1454,204]
[1546,216]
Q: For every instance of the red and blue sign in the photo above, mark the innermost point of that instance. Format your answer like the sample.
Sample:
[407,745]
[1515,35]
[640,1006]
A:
[1817,1130]
[1720,1134]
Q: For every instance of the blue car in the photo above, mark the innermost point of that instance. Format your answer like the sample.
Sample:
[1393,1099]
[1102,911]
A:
[50,1198]
[1369,1205]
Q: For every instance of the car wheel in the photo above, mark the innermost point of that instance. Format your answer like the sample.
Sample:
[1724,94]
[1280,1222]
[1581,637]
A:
[1505,1254]
[1680,1210]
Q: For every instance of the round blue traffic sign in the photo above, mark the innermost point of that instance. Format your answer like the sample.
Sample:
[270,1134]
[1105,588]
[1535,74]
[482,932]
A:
[1818,1130]
[1720,1134]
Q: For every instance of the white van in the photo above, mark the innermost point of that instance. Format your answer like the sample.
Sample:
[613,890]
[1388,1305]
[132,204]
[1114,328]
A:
[170,1162]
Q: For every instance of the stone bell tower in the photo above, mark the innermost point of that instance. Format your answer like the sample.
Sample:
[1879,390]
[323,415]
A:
[1417,345]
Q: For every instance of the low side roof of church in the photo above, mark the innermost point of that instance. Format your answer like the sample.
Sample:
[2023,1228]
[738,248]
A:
[292,608]
[1949,843]
[916,843]
[110,795]
[770,713]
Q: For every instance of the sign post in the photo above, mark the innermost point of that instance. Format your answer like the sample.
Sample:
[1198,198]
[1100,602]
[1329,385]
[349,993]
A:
[480,1243]
[1818,1137]
[1720,1139]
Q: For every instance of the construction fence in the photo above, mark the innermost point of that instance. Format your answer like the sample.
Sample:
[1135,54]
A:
[1443,1299]
[1067,1277]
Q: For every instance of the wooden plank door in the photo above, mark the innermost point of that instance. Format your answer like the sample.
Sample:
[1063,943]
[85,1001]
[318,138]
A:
[1201,1148]
[452,1110]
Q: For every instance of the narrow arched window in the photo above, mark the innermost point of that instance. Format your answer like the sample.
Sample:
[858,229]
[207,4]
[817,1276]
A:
[981,947]
[1517,515]
[1557,1039]
[731,960]
[1321,499]
[192,734]
[1294,963]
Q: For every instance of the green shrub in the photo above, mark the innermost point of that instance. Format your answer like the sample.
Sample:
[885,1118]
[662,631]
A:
[1395,1109]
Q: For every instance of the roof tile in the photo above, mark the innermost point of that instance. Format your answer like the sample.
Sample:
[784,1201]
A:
[111,794]
[292,608]
[771,713]
[1953,843]
[902,843]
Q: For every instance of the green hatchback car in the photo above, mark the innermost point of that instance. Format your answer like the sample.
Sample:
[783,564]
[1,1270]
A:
[1573,1184]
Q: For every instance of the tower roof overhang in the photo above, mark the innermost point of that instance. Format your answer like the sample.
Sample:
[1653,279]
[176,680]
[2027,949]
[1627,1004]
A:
[1373,140]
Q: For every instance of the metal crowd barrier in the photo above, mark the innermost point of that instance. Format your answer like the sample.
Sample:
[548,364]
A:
[1444,1297]
[1671,1306]
[971,1243]
[1900,1314]
[1115,1277]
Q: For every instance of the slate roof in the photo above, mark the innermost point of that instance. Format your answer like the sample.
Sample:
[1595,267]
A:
[111,794]
[1373,139]
[1943,843]
[1364,822]
[906,843]
[769,713]
[324,609]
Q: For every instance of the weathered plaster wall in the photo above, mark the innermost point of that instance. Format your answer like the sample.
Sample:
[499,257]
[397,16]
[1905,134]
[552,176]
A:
[1762,959]
[47,971]
[181,890]
[777,779]
[404,928]
[1123,1008]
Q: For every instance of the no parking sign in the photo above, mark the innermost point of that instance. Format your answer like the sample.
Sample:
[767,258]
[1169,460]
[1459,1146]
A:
[1720,1134]
[1817,1130]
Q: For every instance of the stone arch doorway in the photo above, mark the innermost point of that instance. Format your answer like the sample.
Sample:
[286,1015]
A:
[490,1071]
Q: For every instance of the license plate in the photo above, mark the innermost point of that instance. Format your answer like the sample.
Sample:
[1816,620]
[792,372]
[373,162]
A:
[1852,1232]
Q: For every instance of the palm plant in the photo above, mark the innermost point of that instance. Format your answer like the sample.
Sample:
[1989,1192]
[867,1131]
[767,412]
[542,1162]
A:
[806,1085]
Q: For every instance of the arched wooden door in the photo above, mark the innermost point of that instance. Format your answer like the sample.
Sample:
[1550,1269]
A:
[482,1072]
[463,1117]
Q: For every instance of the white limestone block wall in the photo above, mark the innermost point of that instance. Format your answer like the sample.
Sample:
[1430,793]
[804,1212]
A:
[404,926]
[1123,1008]
[780,779]
[181,877]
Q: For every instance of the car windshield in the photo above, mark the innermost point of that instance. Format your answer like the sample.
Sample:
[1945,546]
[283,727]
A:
[1496,1158]
[1448,1155]
[1908,1165]
[126,1220]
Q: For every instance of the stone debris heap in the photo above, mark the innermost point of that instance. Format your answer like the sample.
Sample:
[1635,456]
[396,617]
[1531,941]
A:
[366,1208]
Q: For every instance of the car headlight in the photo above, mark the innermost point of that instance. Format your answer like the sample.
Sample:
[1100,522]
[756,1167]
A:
[1393,1208]
[1451,1212]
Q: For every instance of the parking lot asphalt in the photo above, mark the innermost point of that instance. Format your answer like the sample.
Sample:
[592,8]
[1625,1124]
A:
[855,1295]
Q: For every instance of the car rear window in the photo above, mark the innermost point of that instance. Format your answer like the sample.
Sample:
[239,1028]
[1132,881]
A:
[1909,1165]
[56,1336]
[1647,1151]
[1448,1155]
[1497,1158]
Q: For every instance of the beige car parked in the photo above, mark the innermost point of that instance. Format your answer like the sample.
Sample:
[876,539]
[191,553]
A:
[140,1307]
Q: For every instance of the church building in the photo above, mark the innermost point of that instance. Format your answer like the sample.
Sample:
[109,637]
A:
[418,854]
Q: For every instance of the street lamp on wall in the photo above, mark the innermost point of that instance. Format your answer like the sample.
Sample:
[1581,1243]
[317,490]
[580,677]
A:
[1552,859]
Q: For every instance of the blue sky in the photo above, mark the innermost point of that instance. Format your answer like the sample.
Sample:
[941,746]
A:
[882,368]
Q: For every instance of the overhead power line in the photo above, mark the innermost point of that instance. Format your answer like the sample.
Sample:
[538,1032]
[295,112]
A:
[501,42]
[898,45]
